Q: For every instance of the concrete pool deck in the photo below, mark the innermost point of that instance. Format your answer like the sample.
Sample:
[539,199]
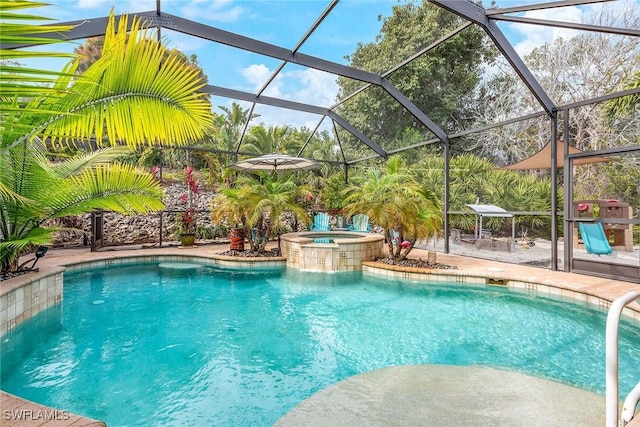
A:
[599,291]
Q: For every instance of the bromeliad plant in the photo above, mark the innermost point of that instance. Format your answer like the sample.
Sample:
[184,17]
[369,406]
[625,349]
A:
[187,218]
[125,96]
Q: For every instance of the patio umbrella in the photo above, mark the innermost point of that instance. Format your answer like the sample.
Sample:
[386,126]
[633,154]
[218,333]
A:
[274,162]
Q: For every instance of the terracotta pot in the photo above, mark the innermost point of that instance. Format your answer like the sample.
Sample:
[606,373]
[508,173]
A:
[236,239]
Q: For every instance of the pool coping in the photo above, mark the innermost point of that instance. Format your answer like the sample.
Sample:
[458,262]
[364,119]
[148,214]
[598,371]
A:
[17,411]
[538,286]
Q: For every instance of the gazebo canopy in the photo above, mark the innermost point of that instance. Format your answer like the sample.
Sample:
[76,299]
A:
[490,210]
[493,211]
[542,159]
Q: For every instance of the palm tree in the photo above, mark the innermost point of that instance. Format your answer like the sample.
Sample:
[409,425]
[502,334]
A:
[234,120]
[231,206]
[275,139]
[393,199]
[54,190]
[260,203]
[117,95]
[272,196]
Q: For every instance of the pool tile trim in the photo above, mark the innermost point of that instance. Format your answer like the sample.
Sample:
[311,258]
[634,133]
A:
[22,299]
[535,286]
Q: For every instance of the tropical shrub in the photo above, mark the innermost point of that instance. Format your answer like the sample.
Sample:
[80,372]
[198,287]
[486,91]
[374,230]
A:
[125,96]
[46,190]
[394,200]
[261,203]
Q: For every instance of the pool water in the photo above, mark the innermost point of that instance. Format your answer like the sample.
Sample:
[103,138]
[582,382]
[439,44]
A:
[323,240]
[330,238]
[165,345]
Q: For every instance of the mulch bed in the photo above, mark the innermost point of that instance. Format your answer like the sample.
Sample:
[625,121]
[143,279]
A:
[251,254]
[6,275]
[416,263]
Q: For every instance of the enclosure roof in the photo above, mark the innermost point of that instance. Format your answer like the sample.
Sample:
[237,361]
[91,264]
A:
[292,54]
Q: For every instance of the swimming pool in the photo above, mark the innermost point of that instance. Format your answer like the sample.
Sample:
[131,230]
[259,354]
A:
[163,345]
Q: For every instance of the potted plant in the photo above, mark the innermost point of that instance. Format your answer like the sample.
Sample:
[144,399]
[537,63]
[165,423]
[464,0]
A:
[231,206]
[187,223]
[187,219]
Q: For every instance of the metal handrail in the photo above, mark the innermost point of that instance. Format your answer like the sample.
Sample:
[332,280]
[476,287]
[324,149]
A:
[611,354]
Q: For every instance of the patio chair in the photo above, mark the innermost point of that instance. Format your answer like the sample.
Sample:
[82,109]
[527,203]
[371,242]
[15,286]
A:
[360,222]
[320,222]
[395,237]
[39,253]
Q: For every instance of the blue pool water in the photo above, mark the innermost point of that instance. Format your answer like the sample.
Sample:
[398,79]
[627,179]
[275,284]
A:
[167,345]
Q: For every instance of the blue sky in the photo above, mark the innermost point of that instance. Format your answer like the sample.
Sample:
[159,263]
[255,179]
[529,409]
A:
[283,23]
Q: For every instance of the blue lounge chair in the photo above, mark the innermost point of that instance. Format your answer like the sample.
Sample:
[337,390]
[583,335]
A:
[594,238]
[320,222]
[395,237]
[360,222]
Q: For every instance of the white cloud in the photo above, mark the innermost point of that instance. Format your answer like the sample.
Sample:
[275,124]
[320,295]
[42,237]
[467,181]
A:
[103,7]
[307,86]
[318,87]
[256,75]
[302,85]
[537,35]
[216,11]
[92,4]
[185,43]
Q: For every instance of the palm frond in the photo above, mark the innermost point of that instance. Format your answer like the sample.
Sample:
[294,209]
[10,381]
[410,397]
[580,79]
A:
[119,188]
[77,164]
[10,250]
[14,81]
[161,95]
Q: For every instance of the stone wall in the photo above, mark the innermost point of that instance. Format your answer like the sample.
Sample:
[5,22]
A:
[135,229]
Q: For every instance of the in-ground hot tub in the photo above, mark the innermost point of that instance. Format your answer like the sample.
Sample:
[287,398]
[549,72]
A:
[330,250]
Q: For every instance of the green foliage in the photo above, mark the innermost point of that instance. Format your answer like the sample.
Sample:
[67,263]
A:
[624,180]
[117,95]
[331,194]
[115,89]
[395,200]
[627,105]
[474,180]
[260,202]
[275,139]
[91,50]
[54,190]
[441,82]
[18,82]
